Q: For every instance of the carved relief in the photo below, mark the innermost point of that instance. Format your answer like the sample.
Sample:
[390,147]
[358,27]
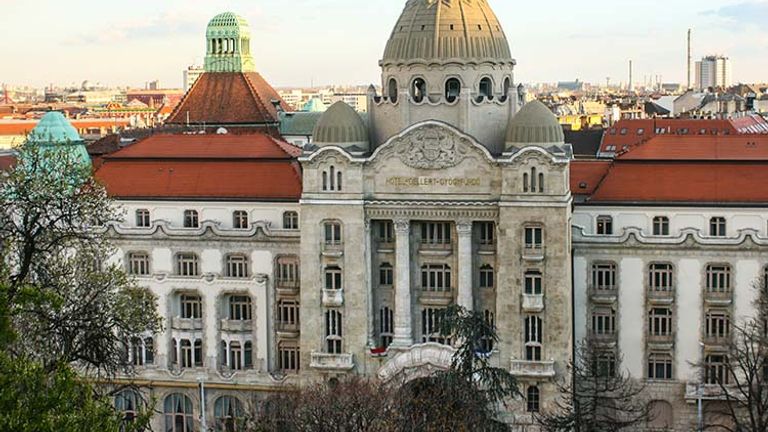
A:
[431,147]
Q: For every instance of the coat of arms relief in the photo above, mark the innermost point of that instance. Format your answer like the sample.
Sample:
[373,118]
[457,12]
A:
[432,147]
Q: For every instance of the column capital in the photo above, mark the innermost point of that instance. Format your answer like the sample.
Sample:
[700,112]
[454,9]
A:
[464,227]
[402,226]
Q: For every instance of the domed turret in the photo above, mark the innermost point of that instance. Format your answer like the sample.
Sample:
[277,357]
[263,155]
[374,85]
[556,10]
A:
[464,31]
[229,44]
[341,126]
[534,125]
[54,133]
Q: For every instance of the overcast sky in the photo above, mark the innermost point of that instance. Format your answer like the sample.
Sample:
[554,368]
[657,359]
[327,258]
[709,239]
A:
[300,42]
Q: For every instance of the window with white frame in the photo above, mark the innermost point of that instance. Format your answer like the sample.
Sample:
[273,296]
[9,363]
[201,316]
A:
[333,332]
[138,264]
[179,416]
[240,308]
[661,226]
[288,314]
[717,227]
[436,277]
[718,324]
[191,219]
[288,357]
[386,326]
[604,276]
[534,238]
[487,233]
[236,355]
[386,275]
[187,353]
[291,220]
[287,271]
[660,277]
[141,351]
[237,266]
[436,233]
[240,219]
[386,232]
[659,366]
[191,306]
[533,283]
[143,218]
[187,264]
[228,413]
[533,333]
[604,225]
[430,326]
[333,278]
[487,276]
[533,399]
[604,321]
[660,321]
[718,278]
[333,234]
[716,370]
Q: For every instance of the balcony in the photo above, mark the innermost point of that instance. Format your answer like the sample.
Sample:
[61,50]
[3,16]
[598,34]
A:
[333,249]
[287,287]
[716,341]
[718,298]
[486,249]
[287,330]
[532,369]
[333,298]
[337,362]
[533,253]
[436,249]
[236,326]
[603,339]
[385,247]
[436,298]
[604,296]
[694,391]
[533,303]
[661,342]
[661,296]
[189,324]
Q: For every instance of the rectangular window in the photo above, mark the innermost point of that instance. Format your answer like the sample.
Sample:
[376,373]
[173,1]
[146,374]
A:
[333,234]
[191,219]
[333,278]
[333,332]
[430,326]
[717,227]
[533,283]
[534,238]
[436,233]
[436,277]
[240,219]
[605,364]
[661,226]
[533,332]
[717,370]
[487,277]
[187,265]
[718,324]
[604,322]
[487,343]
[142,218]
[191,306]
[290,220]
[660,367]
[287,272]
[660,322]
[386,275]
[386,326]
[138,264]
[240,308]
[718,279]
[386,232]
[487,233]
[288,313]
[604,276]
[660,278]
[288,358]
[237,266]
[604,225]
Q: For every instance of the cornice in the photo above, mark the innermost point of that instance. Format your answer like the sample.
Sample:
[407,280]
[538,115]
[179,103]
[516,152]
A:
[260,231]
[747,239]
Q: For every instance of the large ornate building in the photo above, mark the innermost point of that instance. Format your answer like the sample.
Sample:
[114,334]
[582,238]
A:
[275,265]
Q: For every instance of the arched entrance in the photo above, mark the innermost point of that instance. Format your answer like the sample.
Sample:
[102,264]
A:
[418,361]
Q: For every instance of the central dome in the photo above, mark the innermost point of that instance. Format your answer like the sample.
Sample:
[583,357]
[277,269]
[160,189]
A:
[229,24]
[447,31]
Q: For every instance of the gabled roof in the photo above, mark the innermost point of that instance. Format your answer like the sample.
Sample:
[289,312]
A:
[229,98]
[701,147]
[254,167]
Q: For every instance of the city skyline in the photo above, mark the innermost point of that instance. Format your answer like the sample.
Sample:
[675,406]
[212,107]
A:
[312,45]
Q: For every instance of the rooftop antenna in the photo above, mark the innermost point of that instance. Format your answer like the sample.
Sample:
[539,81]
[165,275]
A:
[689,59]
[630,76]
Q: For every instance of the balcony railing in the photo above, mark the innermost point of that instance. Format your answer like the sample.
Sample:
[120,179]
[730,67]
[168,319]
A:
[533,303]
[236,326]
[439,249]
[718,297]
[333,249]
[720,341]
[660,339]
[333,298]
[533,252]
[178,323]
[325,361]
[436,298]
[532,369]
[287,330]
[659,296]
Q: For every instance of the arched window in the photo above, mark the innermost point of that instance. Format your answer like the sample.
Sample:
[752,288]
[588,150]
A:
[661,415]
[487,276]
[338,181]
[526,182]
[392,90]
[533,283]
[332,180]
[418,90]
[532,398]
[326,185]
[333,278]
[452,90]
[128,402]
[541,182]
[507,86]
[486,89]
[333,235]
[533,179]
[179,416]
[227,410]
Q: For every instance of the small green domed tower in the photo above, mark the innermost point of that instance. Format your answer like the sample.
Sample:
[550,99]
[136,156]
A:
[55,134]
[229,44]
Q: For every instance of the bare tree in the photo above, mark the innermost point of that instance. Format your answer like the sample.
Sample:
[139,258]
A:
[599,397]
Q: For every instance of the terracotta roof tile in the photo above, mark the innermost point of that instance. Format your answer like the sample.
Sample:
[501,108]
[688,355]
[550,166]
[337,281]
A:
[701,147]
[228,99]
[209,146]
[586,175]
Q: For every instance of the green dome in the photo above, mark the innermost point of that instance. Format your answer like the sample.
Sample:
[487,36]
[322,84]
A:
[534,125]
[228,24]
[314,105]
[55,133]
[341,126]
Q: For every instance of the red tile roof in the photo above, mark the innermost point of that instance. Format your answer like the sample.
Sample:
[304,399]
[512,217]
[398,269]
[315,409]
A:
[254,167]
[701,147]
[24,127]
[586,175]
[7,162]
[684,182]
[229,99]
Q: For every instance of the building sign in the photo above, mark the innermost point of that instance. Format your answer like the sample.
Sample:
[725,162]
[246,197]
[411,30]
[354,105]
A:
[457,182]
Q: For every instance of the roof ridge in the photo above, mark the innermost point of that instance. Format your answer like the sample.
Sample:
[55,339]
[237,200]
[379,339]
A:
[602,180]
[255,95]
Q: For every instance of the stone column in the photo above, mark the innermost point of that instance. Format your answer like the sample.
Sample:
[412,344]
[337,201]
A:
[465,298]
[369,297]
[403,329]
